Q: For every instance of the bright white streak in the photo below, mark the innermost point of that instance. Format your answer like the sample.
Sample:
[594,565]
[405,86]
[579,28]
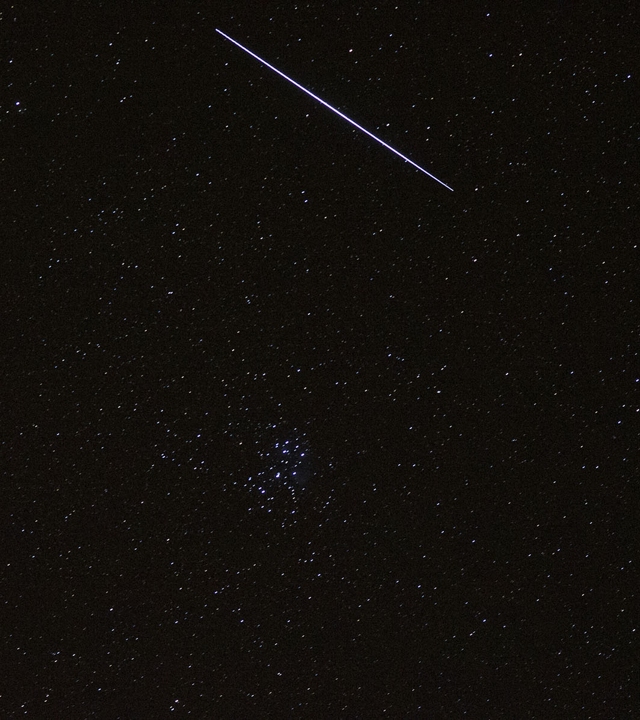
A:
[337,112]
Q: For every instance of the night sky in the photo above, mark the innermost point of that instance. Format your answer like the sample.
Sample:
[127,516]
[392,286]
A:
[289,429]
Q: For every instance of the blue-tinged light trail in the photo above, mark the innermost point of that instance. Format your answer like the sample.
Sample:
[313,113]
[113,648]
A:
[337,112]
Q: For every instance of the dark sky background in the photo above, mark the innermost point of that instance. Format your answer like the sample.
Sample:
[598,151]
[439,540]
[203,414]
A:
[290,430]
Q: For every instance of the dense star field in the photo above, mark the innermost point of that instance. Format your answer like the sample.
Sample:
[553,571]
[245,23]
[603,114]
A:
[289,429]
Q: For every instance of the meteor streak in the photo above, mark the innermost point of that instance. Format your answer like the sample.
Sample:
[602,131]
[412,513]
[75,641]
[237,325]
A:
[337,112]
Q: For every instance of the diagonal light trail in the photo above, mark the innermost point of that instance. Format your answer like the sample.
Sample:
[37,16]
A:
[337,112]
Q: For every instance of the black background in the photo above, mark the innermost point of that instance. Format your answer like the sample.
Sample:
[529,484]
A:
[201,263]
